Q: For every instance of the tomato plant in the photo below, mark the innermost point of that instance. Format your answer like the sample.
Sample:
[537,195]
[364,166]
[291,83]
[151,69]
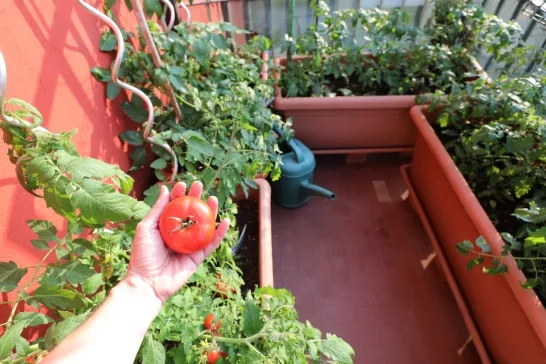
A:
[187,224]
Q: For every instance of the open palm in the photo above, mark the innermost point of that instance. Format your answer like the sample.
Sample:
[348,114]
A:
[152,261]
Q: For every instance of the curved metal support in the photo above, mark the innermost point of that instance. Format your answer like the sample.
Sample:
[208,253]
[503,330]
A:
[167,27]
[176,12]
[138,92]
[143,25]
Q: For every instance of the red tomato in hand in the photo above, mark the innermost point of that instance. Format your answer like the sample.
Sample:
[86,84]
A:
[187,224]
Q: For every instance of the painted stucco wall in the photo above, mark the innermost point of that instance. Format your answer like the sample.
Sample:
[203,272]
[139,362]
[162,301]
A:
[49,47]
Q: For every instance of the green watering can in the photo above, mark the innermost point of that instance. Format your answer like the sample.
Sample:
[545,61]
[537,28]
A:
[295,187]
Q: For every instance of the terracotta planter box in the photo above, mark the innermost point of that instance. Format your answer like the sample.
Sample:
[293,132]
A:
[263,195]
[510,319]
[353,122]
[377,123]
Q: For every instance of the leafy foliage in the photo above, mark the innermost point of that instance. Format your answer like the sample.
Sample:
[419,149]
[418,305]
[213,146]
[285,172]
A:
[226,131]
[375,52]
[78,188]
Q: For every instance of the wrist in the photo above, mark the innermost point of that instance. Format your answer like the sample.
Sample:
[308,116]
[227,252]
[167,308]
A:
[139,294]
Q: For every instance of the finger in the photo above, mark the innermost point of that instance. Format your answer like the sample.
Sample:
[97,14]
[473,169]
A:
[178,190]
[196,189]
[218,237]
[151,220]
[213,204]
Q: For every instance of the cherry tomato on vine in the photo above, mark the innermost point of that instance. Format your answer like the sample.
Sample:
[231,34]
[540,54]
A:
[187,224]
[212,356]
[211,326]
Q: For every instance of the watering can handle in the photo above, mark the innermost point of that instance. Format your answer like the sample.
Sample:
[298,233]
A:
[292,143]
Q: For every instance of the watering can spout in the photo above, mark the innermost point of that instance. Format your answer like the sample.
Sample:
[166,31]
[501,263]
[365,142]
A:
[314,190]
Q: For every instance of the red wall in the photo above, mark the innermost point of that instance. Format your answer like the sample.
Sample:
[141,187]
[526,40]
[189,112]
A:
[49,47]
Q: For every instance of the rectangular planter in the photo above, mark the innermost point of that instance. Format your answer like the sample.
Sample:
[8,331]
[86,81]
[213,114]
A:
[510,319]
[263,196]
[353,122]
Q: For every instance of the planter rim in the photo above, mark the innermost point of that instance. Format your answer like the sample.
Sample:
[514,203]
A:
[528,299]
[265,236]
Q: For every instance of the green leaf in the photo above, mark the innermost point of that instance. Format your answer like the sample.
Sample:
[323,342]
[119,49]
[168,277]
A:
[10,276]
[40,244]
[152,194]
[83,246]
[132,137]
[474,262]
[197,144]
[129,5]
[112,90]
[55,296]
[44,229]
[201,50]
[12,336]
[97,206]
[101,74]
[41,168]
[336,349]
[108,41]
[140,210]
[9,339]
[536,237]
[134,112]
[159,163]
[464,248]
[76,273]
[151,7]
[253,323]
[484,246]
[219,41]
[81,168]
[519,145]
[178,83]
[59,330]
[22,347]
[57,198]
[153,351]
[32,318]
[310,332]
[92,284]
[140,157]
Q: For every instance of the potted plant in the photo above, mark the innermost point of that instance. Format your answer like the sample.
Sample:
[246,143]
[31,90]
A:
[356,72]
[477,179]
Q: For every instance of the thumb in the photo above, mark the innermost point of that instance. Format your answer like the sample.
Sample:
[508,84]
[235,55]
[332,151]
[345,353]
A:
[152,219]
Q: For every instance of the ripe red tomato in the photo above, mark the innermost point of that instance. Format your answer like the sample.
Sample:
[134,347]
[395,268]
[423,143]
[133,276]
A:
[187,224]
[212,356]
[209,320]
[211,326]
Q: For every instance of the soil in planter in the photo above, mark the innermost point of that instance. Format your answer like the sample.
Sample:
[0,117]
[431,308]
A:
[248,256]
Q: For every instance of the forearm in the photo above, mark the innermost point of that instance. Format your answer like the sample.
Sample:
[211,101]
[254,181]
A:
[114,333]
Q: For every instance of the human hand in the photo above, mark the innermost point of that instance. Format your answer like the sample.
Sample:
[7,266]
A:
[152,262]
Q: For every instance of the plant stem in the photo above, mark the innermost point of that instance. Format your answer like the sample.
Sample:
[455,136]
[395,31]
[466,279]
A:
[27,286]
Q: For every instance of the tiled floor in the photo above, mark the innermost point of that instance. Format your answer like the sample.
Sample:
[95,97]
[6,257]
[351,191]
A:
[354,266]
